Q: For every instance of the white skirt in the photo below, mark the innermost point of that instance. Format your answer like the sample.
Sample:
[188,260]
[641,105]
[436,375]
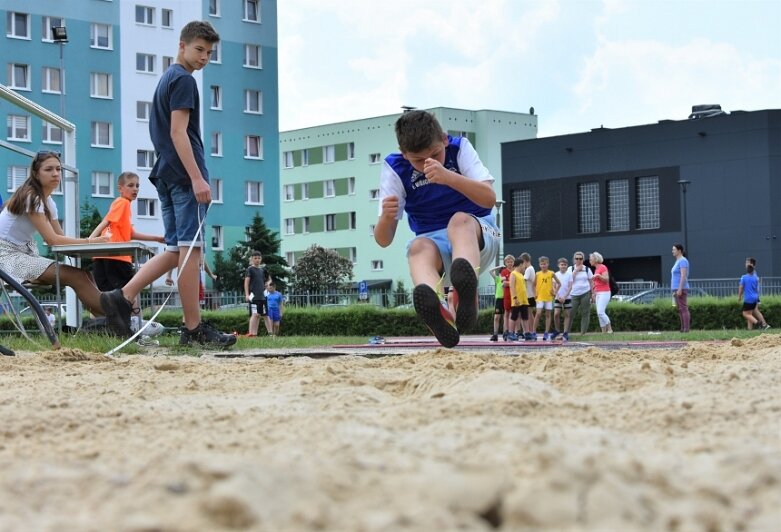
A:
[22,261]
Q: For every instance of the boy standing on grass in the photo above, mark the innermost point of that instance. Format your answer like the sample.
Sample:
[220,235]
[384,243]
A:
[748,293]
[276,308]
[254,290]
[545,287]
[519,319]
[448,195]
[563,302]
[182,181]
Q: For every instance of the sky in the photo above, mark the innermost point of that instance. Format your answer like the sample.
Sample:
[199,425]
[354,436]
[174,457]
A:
[580,64]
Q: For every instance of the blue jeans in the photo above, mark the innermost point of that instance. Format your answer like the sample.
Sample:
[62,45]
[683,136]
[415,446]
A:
[182,215]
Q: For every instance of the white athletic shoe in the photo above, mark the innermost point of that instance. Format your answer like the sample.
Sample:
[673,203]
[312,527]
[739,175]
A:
[153,329]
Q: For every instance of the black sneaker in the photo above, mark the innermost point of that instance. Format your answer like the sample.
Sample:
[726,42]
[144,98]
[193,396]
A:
[117,310]
[765,326]
[206,335]
[464,280]
[437,318]
[494,338]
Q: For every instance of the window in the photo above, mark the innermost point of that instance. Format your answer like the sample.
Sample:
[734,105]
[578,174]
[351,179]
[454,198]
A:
[19,76]
[251,11]
[167,19]
[147,208]
[216,186]
[143,110]
[290,258]
[374,194]
[18,127]
[102,135]
[618,205]
[46,27]
[216,144]
[253,101]
[18,25]
[304,190]
[588,208]
[330,189]
[329,153]
[521,205]
[330,222]
[102,184]
[377,265]
[648,202]
[145,15]
[287,159]
[351,150]
[51,80]
[216,97]
[305,157]
[305,225]
[353,255]
[375,158]
[254,194]
[16,176]
[145,63]
[253,147]
[167,62]
[100,85]
[215,57]
[352,220]
[351,186]
[252,58]
[100,36]
[145,158]
[290,226]
[214,8]
[290,192]
[217,237]
[50,133]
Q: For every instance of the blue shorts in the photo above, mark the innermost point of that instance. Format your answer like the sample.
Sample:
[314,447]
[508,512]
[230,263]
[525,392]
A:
[488,253]
[274,315]
[182,215]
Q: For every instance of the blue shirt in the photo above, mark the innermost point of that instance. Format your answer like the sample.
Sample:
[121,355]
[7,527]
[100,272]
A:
[682,262]
[274,300]
[750,284]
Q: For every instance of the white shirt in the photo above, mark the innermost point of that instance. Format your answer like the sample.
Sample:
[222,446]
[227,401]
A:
[531,281]
[580,281]
[19,229]
[565,281]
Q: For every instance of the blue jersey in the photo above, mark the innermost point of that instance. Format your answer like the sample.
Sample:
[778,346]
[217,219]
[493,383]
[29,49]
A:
[750,284]
[274,300]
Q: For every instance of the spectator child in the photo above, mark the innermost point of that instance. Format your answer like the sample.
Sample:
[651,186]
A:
[503,302]
[546,286]
[757,314]
[276,307]
[562,303]
[519,319]
[254,290]
[530,278]
[748,292]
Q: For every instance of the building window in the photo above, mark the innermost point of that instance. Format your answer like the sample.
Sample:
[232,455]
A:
[375,158]
[102,135]
[216,97]
[147,208]
[377,265]
[251,11]
[287,159]
[18,25]
[214,8]
[351,186]
[167,62]
[101,36]
[217,237]
[51,80]
[305,157]
[50,133]
[330,222]
[215,57]
[100,85]
[46,27]
[648,203]
[252,57]
[254,195]
[290,192]
[143,110]
[18,127]
[145,15]
[145,159]
[253,147]
[351,150]
[19,76]
[374,194]
[352,220]
[16,176]
[305,225]
[588,208]
[329,154]
[290,258]
[216,186]
[167,19]
[521,205]
[353,255]
[216,144]
[304,190]
[330,189]
[290,226]
[618,205]
[253,101]
[145,63]
[102,184]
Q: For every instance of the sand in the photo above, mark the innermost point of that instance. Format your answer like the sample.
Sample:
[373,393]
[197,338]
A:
[683,439]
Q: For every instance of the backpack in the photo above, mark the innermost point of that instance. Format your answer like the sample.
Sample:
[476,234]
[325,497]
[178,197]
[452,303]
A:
[614,289]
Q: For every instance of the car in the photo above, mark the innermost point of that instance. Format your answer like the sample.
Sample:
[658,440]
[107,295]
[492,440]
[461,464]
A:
[649,296]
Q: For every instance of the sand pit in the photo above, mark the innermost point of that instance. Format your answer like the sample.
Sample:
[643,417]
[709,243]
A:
[683,439]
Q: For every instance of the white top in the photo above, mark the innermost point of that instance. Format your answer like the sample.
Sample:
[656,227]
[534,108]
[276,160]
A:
[580,280]
[19,229]
[565,281]
[531,281]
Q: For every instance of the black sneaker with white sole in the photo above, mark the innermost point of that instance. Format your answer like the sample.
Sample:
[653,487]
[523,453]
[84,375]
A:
[437,318]
[464,280]
[117,310]
[206,335]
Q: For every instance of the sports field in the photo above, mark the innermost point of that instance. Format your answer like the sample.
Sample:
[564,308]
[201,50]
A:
[681,438]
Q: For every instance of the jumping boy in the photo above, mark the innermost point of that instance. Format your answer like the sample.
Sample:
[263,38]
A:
[448,195]
[181,179]
[255,281]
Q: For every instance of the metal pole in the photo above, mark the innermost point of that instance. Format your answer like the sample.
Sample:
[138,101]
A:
[684,184]
[62,83]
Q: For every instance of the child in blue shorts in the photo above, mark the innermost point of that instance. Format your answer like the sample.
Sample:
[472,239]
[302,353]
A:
[276,307]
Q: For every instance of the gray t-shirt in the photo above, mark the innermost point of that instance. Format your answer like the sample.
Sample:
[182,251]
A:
[257,282]
[18,229]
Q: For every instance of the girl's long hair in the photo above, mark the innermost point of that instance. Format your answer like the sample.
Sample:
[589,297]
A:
[29,196]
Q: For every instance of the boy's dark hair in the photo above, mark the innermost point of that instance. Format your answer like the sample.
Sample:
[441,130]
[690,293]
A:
[272,283]
[199,29]
[257,253]
[417,131]
[750,268]
[752,261]
[517,262]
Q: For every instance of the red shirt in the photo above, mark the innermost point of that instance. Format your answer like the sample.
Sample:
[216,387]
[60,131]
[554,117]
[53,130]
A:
[505,275]
[600,285]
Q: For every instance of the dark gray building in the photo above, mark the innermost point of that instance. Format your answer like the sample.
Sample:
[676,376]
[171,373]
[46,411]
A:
[621,192]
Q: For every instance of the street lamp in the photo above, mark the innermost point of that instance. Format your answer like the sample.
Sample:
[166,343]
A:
[60,36]
[684,183]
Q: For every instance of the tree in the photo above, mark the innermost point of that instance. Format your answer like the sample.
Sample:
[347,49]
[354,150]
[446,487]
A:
[319,269]
[90,218]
